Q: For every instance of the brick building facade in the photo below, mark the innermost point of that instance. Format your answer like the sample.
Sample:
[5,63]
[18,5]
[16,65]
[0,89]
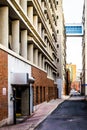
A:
[3,85]
[44,88]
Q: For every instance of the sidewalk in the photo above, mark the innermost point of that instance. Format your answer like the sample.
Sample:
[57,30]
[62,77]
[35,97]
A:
[41,112]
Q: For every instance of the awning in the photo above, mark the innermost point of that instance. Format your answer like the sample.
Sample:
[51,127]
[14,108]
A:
[21,79]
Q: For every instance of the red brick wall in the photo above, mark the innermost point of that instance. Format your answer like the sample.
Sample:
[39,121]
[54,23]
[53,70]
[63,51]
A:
[3,84]
[43,83]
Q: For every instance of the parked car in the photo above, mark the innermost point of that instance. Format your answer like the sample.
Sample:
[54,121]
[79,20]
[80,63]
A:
[73,92]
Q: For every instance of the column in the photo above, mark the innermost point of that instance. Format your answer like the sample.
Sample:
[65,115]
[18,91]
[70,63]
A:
[39,28]
[48,47]
[18,1]
[48,70]
[4,26]
[39,2]
[40,59]
[44,63]
[46,66]
[35,22]
[30,52]
[30,13]
[15,36]
[48,23]
[43,32]
[42,5]
[24,43]
[36,57]
[24,5]
[50,51]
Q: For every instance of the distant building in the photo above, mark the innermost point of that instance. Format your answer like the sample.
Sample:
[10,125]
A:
[61,49]
[71,80]
[72,69]
[68,82]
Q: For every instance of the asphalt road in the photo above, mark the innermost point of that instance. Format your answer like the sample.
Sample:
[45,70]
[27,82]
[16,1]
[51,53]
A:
[70,115]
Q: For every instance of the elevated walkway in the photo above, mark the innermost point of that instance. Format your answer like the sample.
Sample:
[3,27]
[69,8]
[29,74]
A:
[74,29]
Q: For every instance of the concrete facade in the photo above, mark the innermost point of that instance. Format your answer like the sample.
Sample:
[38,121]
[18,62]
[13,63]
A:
[61,46]
[84,51]
[29,55]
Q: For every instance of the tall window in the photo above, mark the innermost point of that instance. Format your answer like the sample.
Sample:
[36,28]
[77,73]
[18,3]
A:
[37,94]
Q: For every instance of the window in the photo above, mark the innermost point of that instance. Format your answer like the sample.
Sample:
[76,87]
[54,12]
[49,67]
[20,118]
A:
[58,60]
[57,3]
[57,45]
[57,17]
[40,94]
[37,94]
[57,74]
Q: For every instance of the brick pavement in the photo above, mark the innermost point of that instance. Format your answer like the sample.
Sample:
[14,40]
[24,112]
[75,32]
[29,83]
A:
[41,112]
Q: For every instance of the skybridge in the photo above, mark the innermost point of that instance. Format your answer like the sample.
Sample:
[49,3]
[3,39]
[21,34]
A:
[74,30]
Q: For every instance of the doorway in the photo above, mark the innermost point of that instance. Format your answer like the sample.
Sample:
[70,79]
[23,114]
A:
[21,103]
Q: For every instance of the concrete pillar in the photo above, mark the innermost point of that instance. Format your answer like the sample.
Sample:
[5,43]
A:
[48,70]
[39,28]
[42,35]
[40,59]
[24,43]
[24,5]
[18,1]
[44,63]
[42,5]
[47,22]
[36,57]
[15,36]
[4,26]
[46,67]
[50,51]
[48,47]
[39,2]
[30,13]
[51,73]
[30,52]
[35,22]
